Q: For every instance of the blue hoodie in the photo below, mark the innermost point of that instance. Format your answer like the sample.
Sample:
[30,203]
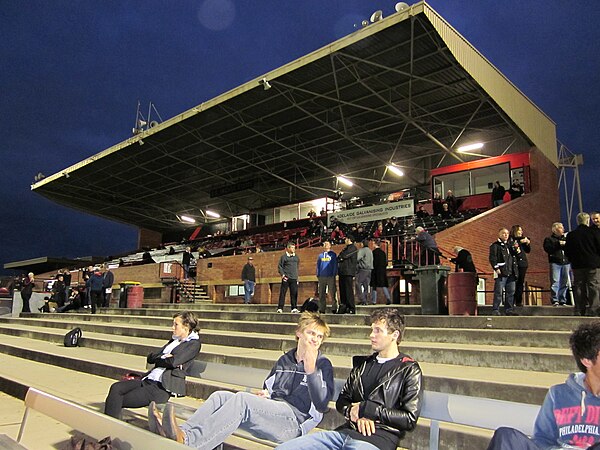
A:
[569,417]
[327,264]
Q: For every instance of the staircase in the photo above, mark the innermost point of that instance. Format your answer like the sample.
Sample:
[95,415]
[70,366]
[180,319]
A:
[506,358]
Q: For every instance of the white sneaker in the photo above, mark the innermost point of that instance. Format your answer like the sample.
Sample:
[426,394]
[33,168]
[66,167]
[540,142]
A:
[295,311]
[279,311]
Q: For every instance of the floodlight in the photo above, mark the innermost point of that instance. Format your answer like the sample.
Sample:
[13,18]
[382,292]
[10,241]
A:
[187,219]
[377,16]
[265,84]
[395,170]
[345,181]
[468,148]
[401,6]
[212,214]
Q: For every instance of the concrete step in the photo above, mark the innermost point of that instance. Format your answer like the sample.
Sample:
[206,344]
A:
[252,313]
[103,355]
[477,355]
[483,336]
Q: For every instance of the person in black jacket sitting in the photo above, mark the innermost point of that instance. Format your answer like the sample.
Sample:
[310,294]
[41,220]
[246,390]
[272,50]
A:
[167,379]
[382,397]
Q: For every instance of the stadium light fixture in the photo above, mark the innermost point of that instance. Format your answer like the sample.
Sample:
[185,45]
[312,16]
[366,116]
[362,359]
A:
[345,181]
[213,214]
[468,148]
[265,84]
[187,219]
[401,6]
[395,170]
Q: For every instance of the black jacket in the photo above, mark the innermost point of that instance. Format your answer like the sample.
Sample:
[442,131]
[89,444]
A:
[347,261]
[502,257]
[173,378]
[395,404]
[464,261]
[556,252]
[583,248]
[249,272]
[522,255]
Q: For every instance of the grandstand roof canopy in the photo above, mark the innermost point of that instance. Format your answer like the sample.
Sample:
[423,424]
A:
[407,90]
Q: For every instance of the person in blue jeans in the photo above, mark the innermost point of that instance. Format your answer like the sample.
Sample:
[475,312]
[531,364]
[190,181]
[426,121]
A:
[249,279]
[554,246]
[381,399]
[570,414]
[294,397]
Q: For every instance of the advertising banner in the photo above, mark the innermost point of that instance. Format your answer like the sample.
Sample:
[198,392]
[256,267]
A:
[370,213]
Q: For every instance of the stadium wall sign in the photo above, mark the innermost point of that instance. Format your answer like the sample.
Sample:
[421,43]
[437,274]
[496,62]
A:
[369,213]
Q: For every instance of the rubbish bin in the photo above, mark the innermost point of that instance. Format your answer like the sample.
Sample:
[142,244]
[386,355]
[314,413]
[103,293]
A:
[135,296]
[123,295]
[432,288]
[462,294]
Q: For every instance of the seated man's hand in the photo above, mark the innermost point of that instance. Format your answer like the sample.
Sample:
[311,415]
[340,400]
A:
[365,426]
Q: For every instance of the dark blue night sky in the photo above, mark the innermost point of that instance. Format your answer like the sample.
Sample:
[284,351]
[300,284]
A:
[73,72]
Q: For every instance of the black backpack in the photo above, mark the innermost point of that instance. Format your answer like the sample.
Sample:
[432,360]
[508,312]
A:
[72,337]
[310,304]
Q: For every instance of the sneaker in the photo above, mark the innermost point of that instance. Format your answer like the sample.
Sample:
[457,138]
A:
[279,311]
[495,312]
[295,311]
[556,304]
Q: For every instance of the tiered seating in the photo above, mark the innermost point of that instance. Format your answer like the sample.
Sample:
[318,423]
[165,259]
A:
[505,358]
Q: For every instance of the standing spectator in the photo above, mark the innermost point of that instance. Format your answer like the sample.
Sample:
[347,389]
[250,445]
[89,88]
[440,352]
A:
[323,212]
[428,249]
[327,267]
[95,289]
[378,233]
[506,271]
[463,261]
[498,192]
[186,262]
[27,291]
[86,299]
[67,280]
[452,202]
[382,398]
[364,267]
[522,246]
[249,279]
[595,220]
[379,274]
[312,213]
[59,290]
[108,279]
[346,272]
[392,227]
[437,204]
[515,191]
[554,245]
[583,250]
[288,269]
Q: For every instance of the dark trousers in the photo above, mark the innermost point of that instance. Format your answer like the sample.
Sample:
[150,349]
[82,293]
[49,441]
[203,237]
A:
[293,286]
[96,299]
[510,439]
[587,291]
[327,283]
[26,298]
[347,292]
[133,394]
[520,286]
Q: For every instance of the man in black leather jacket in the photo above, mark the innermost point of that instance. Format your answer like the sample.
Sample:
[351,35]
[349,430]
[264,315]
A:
[382,397]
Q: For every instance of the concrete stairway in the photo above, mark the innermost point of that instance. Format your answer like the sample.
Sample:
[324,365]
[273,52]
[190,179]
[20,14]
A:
[507,358]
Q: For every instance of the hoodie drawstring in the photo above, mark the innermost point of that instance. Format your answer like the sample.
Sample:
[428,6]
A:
[583,403]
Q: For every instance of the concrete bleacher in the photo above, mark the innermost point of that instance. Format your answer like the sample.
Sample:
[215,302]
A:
[514,359]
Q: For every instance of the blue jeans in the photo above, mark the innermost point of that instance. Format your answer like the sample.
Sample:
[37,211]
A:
[559,282]
[224,412]
[248,290]
[330,440]
[386,292]
[508,285]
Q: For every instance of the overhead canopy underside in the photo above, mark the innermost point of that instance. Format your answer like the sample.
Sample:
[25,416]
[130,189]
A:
[407,90]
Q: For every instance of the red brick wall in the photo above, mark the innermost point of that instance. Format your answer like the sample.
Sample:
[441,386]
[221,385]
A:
[535,212]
